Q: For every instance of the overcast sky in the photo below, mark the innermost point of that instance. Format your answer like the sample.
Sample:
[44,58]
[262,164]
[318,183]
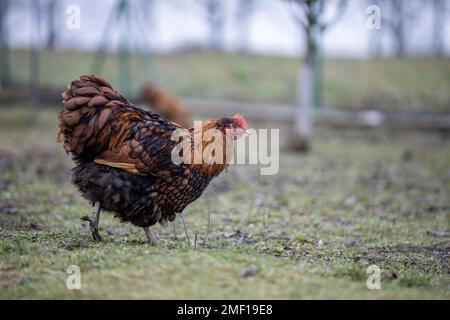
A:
[177,23]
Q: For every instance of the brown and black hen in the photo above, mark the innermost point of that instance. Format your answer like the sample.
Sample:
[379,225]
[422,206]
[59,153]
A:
[123,155]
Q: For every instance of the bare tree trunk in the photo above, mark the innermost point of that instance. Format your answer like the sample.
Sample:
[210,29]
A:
[51,31]
[304,119]
[244,10]
[398,27]
[5,76]
[216,23]
[439,8]
[376,36]
[34,58]
[376,44]
[400,40]
[310,79]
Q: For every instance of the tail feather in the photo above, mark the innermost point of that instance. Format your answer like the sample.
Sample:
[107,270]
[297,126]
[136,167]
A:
[89,104]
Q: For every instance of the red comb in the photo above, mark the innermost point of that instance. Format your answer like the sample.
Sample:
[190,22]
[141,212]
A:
[241,120]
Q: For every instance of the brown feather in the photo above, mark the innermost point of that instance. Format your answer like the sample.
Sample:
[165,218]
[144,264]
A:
[87,91]
[97,101]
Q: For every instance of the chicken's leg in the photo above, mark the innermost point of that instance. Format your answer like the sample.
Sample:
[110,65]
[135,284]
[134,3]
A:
[93,225]
[93,222]
[150,236]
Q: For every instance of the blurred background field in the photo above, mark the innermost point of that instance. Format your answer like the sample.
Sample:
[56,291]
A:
[367,192]
[410,84]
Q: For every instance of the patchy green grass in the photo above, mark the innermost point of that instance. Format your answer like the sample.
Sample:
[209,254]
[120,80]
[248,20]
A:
[415,84]
[311,231]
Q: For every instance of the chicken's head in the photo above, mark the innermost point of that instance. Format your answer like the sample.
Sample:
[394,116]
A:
[235,127]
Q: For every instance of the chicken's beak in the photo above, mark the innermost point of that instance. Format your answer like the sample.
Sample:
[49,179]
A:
[235,133]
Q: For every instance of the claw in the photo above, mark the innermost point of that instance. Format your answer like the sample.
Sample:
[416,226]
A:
[150,236]
[96,236]
[94,231]
[93,222]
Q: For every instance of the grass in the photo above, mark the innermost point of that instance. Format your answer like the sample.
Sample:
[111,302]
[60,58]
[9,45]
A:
[414,84]
[311,231]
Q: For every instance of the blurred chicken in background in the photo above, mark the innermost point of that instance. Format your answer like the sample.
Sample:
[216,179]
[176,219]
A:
[161,102]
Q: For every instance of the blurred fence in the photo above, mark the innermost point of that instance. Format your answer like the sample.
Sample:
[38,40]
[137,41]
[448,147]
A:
[333,117]
[285,113]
